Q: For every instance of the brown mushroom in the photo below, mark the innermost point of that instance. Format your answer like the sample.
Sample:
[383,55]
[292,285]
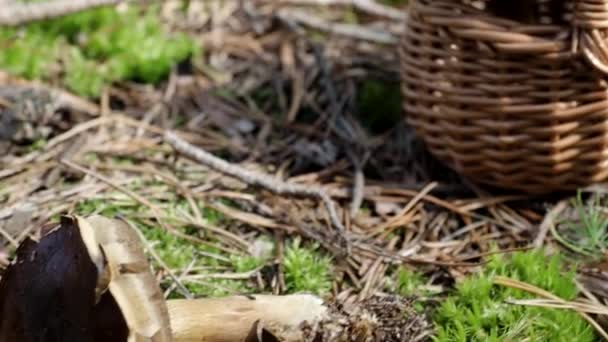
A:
[88,279]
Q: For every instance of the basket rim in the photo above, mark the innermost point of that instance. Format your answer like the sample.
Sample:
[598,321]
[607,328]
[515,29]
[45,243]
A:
[583,35]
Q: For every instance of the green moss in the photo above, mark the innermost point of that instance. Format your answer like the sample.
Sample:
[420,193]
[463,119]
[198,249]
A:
[105,208]
[94,48]
[177,253]
[408,282]
[477,311]
[213,216]
[306,269]
[84,76]
[211,288]
[247,263]
[379,105]
[37,145]
[587,235]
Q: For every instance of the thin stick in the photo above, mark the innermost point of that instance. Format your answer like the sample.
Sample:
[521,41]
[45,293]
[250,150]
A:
[358,185]
[8,237]
[342,29]
[358,182]
[548,223]
[258,179]
[76,130]
[369,6]
[184,272]
[17,14]
[516,284]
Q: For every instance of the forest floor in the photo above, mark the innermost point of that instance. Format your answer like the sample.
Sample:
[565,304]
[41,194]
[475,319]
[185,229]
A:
[306,94]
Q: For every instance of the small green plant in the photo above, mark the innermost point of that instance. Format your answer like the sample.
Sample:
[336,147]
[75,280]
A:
[93,48]
[409,282]
[245,263]
[477,311]
[175,252]
[106,208]
[37,145]
[178,254]
[306,270]
[588,235]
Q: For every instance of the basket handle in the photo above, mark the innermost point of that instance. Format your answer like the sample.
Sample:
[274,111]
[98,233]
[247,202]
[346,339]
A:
[590,32]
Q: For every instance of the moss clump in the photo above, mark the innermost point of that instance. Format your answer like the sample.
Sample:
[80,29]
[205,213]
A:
[306,270]
[178,253]
[409,283]
[477,311]
[246,263]
[90,49]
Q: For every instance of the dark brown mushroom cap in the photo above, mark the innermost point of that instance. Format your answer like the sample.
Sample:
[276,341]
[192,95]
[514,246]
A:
[85,280]
[48,292]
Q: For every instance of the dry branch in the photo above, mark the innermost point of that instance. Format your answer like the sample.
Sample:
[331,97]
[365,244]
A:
[258,179]
[368,6]
[17,14]
[548,222]
[342,29]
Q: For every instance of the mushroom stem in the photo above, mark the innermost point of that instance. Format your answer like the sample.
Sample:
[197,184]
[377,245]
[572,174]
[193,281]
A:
[230,319]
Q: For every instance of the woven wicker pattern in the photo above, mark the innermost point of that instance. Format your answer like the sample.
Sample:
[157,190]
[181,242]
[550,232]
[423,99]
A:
[516,101]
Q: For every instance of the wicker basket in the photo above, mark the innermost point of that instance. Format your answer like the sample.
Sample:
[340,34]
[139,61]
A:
[516,100]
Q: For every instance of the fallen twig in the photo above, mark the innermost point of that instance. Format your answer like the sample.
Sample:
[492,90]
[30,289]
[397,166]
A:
[21,13]
[516,284]
[358,185]
[258,179]
[358,182]
[368,6]
[548,223]
[349,30]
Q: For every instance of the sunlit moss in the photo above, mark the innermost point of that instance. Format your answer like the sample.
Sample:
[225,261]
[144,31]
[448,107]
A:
[91,49]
